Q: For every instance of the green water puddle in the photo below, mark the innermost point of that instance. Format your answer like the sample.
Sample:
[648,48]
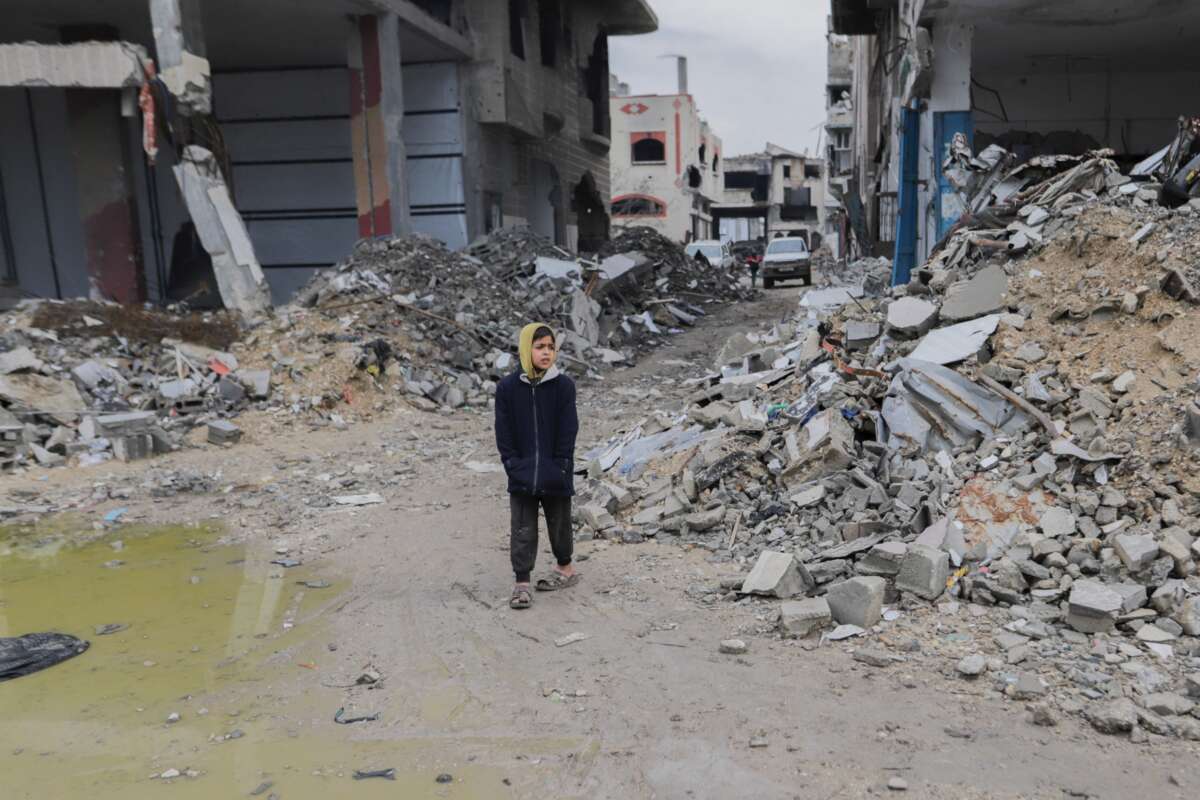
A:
[238,648]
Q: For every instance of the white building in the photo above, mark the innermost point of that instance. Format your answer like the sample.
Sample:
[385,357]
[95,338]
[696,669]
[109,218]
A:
[666,165]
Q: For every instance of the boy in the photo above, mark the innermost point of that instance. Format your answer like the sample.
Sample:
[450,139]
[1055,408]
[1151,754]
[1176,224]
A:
[536,426]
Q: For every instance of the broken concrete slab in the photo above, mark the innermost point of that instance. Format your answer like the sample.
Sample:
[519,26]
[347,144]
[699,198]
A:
[777,574]
[985,293]
[1057,522]
[860,335]
[857,601]
[910,317]
[884,559]
[222,232]
[1093,607]
[1138,552]
[222,431]
[79,65]
[923,572]
[52,397]
[20,359]
[956,343]
[257,382]
[801,618]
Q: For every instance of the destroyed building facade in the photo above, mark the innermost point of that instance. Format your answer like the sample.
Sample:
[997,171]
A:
[839,121]
[144,140]
[1061,79]
[666,164]
[772,193]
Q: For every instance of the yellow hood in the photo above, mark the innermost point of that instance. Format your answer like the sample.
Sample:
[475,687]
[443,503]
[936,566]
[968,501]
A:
[525,348]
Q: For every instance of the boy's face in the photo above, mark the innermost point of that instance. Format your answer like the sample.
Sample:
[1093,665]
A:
[543,353]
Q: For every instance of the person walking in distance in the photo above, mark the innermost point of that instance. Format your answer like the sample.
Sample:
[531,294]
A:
[536,427]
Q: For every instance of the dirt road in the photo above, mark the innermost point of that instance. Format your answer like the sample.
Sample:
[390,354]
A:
[643,707]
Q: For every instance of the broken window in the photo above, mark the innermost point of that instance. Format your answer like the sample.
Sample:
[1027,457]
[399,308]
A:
[703,160]
[740,180]
[812,170]
[596,83]
[694,177]
[716,161]
[649,148]
[638,206]
[518,15]
[550,30]
[787,170]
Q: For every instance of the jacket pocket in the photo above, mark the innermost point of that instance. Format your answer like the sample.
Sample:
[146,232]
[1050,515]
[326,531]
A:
[520,475]
[556,476]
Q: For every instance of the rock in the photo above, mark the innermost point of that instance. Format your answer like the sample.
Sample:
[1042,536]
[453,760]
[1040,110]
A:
[1138,552]
[883,559]
[1154,634]
[1042,715]
[777,575]
[1124,382]
[874,658]
[910,317]
[170,773]
[1030,353]
[857,601]
[733,647]
[705,520]
[1168,704]
[1028,686]
[972,666]
[897,784]
[1057,522]
[1092,607]
[1188,616]
[924,571]
[1116,716]
[597,517]
[809,497]
[802,617]
[859,335]
[983,294]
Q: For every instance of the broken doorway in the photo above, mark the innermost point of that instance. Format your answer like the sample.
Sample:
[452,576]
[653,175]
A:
[590,214]
[545,200]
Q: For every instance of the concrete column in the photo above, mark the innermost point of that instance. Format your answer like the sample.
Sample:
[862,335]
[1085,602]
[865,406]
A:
[181,54]
[376,126]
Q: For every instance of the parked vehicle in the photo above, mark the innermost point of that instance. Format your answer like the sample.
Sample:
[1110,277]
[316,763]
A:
[714,253]
[784,259]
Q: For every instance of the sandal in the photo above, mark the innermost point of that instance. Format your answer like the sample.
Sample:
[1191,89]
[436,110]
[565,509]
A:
[521,598]
[557,581]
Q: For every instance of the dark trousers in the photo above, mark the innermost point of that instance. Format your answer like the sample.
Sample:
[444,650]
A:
[524,542]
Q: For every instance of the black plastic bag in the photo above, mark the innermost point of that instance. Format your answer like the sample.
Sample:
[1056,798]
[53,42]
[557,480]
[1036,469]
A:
[24,655]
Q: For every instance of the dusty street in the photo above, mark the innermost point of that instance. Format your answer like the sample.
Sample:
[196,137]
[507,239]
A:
[255,658]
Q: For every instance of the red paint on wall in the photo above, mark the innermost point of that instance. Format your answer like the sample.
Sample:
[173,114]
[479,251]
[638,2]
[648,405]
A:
[678,147]
[368,27]
[112,258]
[382,215]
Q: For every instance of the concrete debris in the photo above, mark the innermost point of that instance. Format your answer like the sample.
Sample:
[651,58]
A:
[776,575]
[985,293]
[857,601]
[910,317]
[801,618]
[956,343]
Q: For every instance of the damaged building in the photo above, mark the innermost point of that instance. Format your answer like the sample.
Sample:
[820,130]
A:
[1035,78]
[772,193]
[166,150]
[666,163]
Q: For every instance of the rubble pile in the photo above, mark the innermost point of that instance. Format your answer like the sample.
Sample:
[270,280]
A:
[1015,431]
[93,381]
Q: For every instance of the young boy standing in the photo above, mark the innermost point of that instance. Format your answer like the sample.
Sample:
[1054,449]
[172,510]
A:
[536,426]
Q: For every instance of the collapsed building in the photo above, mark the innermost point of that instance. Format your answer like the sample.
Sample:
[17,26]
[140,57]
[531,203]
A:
[772,193]
[170,150]
[1035,78]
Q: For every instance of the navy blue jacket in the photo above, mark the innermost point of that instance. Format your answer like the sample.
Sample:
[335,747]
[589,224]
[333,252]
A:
[536,428]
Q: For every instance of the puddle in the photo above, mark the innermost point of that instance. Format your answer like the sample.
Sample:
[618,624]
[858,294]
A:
[232,644]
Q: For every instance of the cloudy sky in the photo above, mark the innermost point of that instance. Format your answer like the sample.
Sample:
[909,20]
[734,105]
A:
[755,67]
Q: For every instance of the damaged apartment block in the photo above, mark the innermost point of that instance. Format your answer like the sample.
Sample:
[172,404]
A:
[217,152]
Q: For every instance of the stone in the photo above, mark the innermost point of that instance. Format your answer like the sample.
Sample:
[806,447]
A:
[827,446]
[983,294]
[222,431]
[883,559]
[1138,552]
[705,520]
[857,601]
[1041,715]
[733,647]
[1030,352]
[1188,616]
[1057,522]
[1168,704]
[972,666]
[910,317]
[597,517]
[777,574]
[1124,382]
[874,658]
[924,571]
[802,617]
[1029,686]
[1092,607]
[1133,595]
[1154,635]
[1116,716]
[897,784]
[257,382]
[809,497]
[859,335]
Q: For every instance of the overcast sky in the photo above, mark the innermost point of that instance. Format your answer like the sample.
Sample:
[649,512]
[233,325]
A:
[755,67]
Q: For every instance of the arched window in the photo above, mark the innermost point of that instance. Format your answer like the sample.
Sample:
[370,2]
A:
[649,151]
[638,205]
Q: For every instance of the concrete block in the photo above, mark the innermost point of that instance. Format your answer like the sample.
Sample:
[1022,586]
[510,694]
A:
[1093,607]
[133,447]
[1138,552]
[777,575]
[222,431]
[859,335]
[1188,616]
[983,294]
[883,559]
[112,425]
[803,617]
[1057,522]
[923,572]
[258,382]
[597,517]
[910,317]
[858,601]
